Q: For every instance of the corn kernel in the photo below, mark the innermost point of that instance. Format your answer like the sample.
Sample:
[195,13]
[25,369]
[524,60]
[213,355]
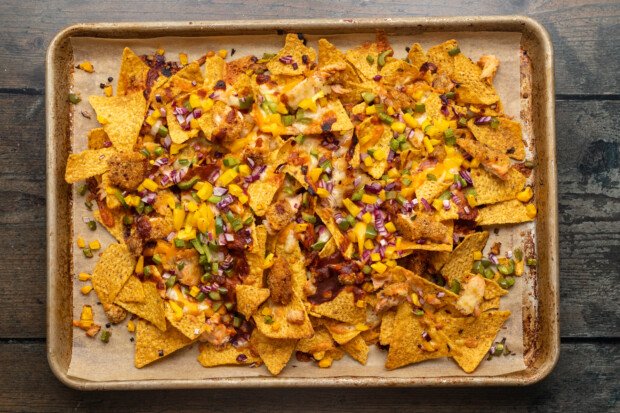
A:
[474,163]
[369,199]
[326,362]
[361,327]
[223,53]
[390,263]
[150,185]
[375,256]
[371,110]
[244,170]
[393,173]
[390,110]
[243,198]
[87,66]
[102,119]
[398,127]
[227,177]
[322,192]
[368,161]
[477,255]
[471,200]
[360,304]
[379,267]
[178,218]
[194,291]
[531,211]
[80,242]
[94,245]
[369,245]
[86,289]
[427,145]
[308,104]
[276,326]
[207,104]
[183,58]
[438,204]
[160,51]
[205,191]
[380,154]
[367,286]
[367,218]
[526,194]
[84,276]
[390,227]
[301,227]
[266,311]
[415,300]
[315,173]
[140,265]
[268,261]
[410,120]
[186,234]
[131,326]
[351,207]
[107,90]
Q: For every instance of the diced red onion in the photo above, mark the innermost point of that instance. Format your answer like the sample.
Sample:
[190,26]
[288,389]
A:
[180,110]
[162,111]
[171,236]
[287,60]
[456,199]
[391,155]
[149,198]
[380,223]
[493,258]
[440,294]
[219,191]
[373,188]
[167,142]
[509,254]
[250,162]
[426,205]
[377,78]
[426,336]
[466,209]
[446,204]
[229,237]
[161,162]
[466,176]
[225,202]
[481,120]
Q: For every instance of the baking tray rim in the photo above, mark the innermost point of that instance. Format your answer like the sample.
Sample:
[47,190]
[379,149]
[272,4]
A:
[205,28]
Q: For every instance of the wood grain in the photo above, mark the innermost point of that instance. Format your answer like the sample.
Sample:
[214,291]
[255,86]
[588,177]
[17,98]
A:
[592,368]
[584,33]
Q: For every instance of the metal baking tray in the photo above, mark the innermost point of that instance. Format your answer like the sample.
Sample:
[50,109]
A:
[541,338]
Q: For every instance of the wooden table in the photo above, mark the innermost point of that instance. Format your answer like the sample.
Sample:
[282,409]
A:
[587,65]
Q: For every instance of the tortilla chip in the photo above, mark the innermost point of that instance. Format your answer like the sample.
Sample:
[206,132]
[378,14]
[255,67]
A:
[320,341]
[357,349]
[117,231]
[492,304]
[183,81]
[177,133]
[97,138]
[274,353]
[327,216]
[211,356]
[215,69]
[340,332]
[387,327]
[430,190]
[507,212]
[294,48]
[343,122]
[191,325]
[506,138]
[112,271]
[462,258]
[397,72]
[123,117]
[494,161]
[152,309]
[493,290]
[153,344]
[86,164]
[256,258]
[288,248]
[249,298]
[377,169]
[439,55]
[261,192]
[133,73]
[331,58]
[471,337]
[433,106]
[330,248]
[407,343]
[357,57]
[490,189]
[472,88]
[416,56]
[281,327]
[438,259]
[342,308]
[132,291]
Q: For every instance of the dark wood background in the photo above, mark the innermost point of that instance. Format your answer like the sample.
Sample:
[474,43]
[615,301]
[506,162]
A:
[586,36]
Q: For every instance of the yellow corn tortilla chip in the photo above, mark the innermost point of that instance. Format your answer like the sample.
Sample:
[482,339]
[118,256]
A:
[185,80]
[321,340]
[97,138]
[215,69]
[506,138]
[117,230]
[387,327]
[407,341]
[357,349]
[342,308]
[256,257]
[281,327]
[438,259]
[191,325]
[439,56]
[87,163]
[340,332]
[288,248]
[249,298]
[343,122]
[493,290]
[152,309]
[357,57]
[462,258]
[422,285]
[472,88]
[343,243]
[122,117]
[492,304]
[433,106]
[397,72]
[471,337]
[112,271]
[261,192]
[133,73]
[132,291]
[416,56]
[153,344]
[330,57]
[379,166]
[294,48]
[229,355]
[330,248]
[493,160]
[430,190]
[490,189]
[177,133]
[275,353]
[506,212]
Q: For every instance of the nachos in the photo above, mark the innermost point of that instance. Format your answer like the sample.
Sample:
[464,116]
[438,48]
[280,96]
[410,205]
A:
[307,203]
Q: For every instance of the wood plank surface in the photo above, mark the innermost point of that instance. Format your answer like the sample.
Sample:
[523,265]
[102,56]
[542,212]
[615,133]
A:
[585,33]
[592,368]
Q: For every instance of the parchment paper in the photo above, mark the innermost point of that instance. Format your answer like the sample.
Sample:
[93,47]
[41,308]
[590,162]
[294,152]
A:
[93,360]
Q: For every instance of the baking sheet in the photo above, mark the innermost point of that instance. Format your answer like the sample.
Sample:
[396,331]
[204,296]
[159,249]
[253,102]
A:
[95,361]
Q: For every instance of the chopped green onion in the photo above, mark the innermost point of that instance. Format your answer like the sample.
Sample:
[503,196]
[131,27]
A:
[75,99]
[185,185]
[370,59]
[229,306]
[147,270]
[88,253]
[431,177]
[394,145]
[368,97]
[445,196]
[197,245]
[215,296]
[449,137]
[120,198]
[179,243]
[406,181]
[148,209]
[486,263]
[88,205]
[184,162]
[105,336]
[454,52]
[163,131]
[127,220]
[82,190]
[503,283]
[247,103]
[419,312]
[489,273]
[300,138]
[371,232]
[386,118]
[268,319]
[511,281]
[382,56]
[367,269]
[529,164]
[140,207]
[267,56]
[450,95]
[478,268]
[145,152]
[455,286]
[357,195]
[159,151]
[308,218]
[518,254]
[171,281]
[350,219]
[216,306]
[318,246]
[230,162]
[462,121]
[195,196]
[344,225]
[92,225]
[214,199]
[180,266]
[219,225]
[380,107]
[531,262]
[507,269]
[248,220]
[494,123]
[206,277]
[287,120]
[420,108]
[236,322]
[200,297]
